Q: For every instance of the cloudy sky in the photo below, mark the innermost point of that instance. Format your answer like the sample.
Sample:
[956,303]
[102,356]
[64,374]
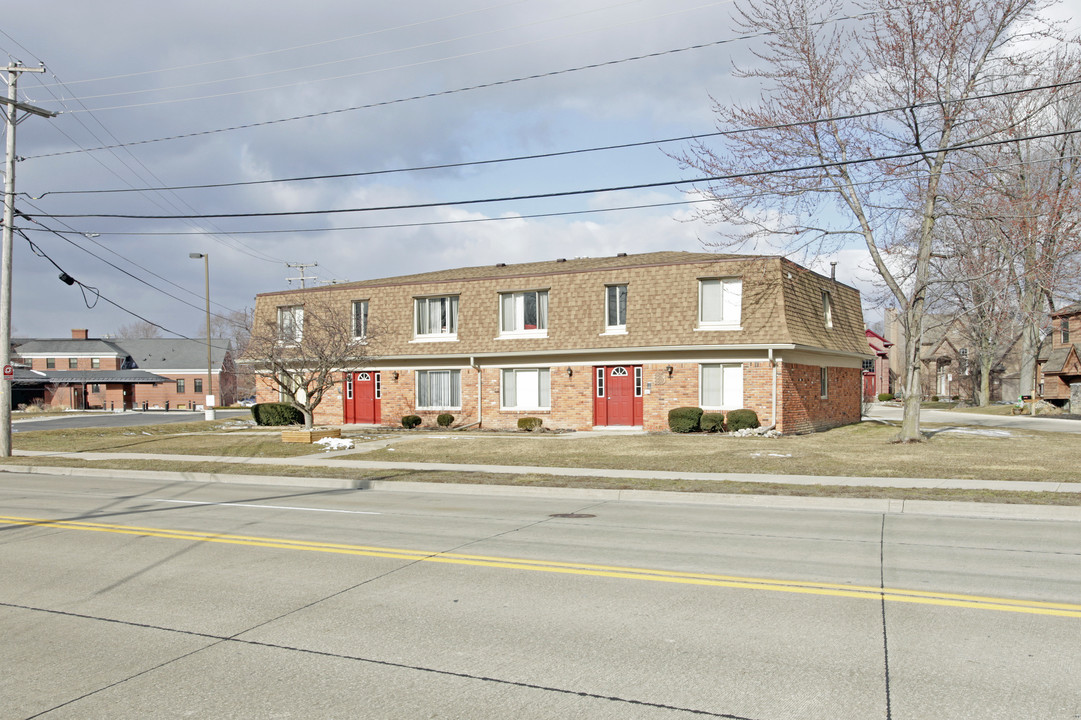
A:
[384,87]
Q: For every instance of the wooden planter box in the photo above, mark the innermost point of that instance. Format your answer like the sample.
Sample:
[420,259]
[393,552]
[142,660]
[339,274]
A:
[309,436]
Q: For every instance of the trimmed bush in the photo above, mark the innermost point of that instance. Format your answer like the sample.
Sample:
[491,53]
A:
[276,414]
[411,421]
[885,397]
[529,424]
[742,419]
[712,422]
[934,398]
[444,419]
[684,419]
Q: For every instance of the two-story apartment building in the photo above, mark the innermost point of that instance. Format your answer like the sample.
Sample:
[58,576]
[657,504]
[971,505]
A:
[114,374]
[594,342]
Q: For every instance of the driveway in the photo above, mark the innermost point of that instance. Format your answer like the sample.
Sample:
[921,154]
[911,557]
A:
[124,419]
[1011,422]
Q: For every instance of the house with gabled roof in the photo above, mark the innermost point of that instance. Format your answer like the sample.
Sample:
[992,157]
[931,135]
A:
[594,342]
[82,372]
[1060,359]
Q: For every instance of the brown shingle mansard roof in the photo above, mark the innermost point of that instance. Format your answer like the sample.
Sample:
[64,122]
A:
[533,269]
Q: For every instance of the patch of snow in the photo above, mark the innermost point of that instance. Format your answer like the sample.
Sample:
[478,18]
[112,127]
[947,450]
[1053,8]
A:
[335,444]
[779,455]
[985,432]
[756,432]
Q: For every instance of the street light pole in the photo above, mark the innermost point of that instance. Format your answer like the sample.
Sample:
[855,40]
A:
[11,109]
[208,405]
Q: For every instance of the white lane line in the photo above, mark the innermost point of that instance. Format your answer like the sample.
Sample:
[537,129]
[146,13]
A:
[268,507]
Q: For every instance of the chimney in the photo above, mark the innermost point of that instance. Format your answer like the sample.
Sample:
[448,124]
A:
[80,334]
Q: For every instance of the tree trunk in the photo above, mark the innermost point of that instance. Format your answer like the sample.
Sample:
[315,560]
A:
[984,394]
[309,418]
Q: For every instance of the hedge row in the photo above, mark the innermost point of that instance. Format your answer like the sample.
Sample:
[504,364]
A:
[693,419]
[276,414]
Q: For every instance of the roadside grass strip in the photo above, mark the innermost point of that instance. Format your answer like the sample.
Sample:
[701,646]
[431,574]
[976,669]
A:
[976,602]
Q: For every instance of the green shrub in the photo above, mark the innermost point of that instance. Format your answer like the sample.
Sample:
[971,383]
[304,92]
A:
[934,398]
[885,397]
[444,419]
[276,413]
[411,421]
[712,422]
[530,423]
[742,419]
[684,419]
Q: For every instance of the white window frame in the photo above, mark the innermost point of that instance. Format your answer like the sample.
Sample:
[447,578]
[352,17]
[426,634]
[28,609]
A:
[422,309]
[600,382]
[290,324]
[731,374]
[511,380]
[827,308]
[349,386]
[617,327]
[514,302]
[729,303]
[425,377]
[360,333]
[638,384]
[824,383]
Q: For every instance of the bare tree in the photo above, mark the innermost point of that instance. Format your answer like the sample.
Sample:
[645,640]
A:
[303,351]
[138,330]
[236,326]
[864,117]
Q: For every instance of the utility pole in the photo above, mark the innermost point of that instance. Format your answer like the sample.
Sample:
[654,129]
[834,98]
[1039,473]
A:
[301,267]
[11,115]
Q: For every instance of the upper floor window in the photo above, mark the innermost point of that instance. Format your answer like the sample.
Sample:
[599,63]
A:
[827,308]
[523,313]
[719,303]
[73,363]
[868,365]
[360,318]
[437,317]
[616,308]
[180,386]
[198,385]
[50,363]
[1065,326]
[95,363]
[291,324]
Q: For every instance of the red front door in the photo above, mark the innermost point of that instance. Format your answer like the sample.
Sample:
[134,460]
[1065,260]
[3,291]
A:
[617,395]
[363,392]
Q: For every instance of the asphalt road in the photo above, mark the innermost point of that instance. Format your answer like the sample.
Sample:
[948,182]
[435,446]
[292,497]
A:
[136,599]
[125,419]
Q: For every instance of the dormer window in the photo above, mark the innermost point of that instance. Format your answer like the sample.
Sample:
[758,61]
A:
[720,301]
[827,308]
[523,314]
[437,318]
[616,308]
[291,324]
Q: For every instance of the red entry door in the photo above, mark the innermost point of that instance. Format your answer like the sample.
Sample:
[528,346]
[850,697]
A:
[617,395]
[363,392]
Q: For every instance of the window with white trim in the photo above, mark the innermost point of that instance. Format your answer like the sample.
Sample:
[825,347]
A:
[720,301]
[824,382]
[439,389]
[721,386]
[827,308]
[291,324]
[437,317]
[527,389]
[638,382]
[349,386]
[600,382]
[523,313]
[360,319]
[615,297]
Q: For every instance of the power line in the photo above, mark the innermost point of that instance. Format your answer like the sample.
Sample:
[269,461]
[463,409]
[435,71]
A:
[563,153]
[571,193]
[441,93]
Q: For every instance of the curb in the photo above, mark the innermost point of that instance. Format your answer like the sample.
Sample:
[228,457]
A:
[878,506]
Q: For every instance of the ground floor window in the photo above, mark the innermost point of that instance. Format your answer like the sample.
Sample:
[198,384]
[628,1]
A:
[527,389]
[721,386]
[824,382]
[439,389]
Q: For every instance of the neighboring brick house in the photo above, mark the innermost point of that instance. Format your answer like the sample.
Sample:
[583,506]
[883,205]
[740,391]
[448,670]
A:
[1060,359]
[96,373]
[876,371]
[590,342]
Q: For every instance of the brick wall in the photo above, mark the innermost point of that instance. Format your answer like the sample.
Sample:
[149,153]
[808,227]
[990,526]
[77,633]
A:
[802,409]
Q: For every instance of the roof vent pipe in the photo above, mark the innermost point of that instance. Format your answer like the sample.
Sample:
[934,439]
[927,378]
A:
[833,271]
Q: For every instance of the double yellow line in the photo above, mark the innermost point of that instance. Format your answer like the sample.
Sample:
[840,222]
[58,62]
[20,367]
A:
[975,602]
